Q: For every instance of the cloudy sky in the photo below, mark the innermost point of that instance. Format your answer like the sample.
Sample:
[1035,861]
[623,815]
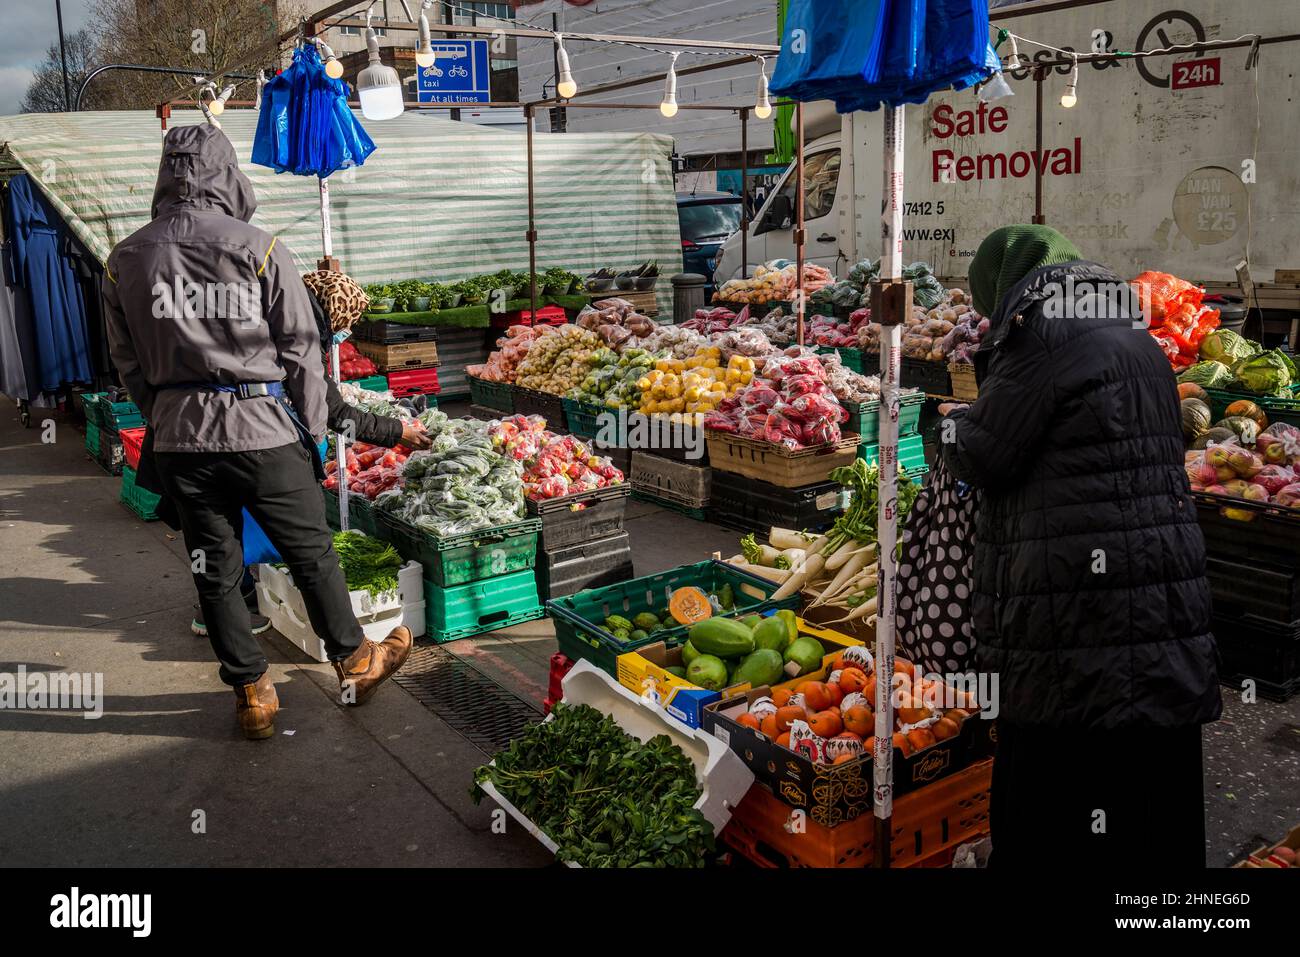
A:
[30,26]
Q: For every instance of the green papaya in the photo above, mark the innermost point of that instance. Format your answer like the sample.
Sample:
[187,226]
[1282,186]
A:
[677,671]
[772,633]
[722,637]
[708,672]
[689,653]
[791,622]
[752,621]
[760,667]
[806,652]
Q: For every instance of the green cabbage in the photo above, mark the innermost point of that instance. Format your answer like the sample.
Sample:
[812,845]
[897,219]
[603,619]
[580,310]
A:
[1270,373]
[1224,345]
[1208,374]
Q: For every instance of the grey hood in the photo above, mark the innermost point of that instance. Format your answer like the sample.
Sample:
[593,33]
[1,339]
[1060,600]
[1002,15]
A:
[200,170]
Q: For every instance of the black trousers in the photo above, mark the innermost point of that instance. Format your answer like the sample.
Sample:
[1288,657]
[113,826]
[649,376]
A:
[278,487]
[1098,799]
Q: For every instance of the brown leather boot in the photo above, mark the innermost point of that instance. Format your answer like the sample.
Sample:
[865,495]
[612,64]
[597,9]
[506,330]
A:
[362,672]
[255,707]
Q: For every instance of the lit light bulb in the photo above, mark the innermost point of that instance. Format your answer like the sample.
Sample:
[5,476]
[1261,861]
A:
[216,107]
[763,104]
[218,104]
[1071,95]
[333,68]
[424,49]
[565,87]
[669,105]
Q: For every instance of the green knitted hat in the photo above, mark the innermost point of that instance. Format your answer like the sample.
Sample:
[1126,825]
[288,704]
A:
[1008,255]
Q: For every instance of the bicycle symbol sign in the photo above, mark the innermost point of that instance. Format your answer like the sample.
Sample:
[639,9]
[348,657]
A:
[460,73]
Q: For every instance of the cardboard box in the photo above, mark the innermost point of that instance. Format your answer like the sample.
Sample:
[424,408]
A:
[830,794]
[644,672]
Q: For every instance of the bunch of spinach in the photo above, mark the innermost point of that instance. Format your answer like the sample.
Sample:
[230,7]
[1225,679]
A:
[367,563]
[605,798]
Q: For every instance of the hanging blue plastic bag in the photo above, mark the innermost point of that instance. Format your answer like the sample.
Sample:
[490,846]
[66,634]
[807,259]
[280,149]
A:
[898,69]
[827,47]
[956,45]
[257,547]
[305,126]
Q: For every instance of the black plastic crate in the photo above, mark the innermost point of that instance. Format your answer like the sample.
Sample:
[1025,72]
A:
[566,571]
[932,378]
[581,517]
[1242,589]
[749,505]
[1255,533]
[388,333]
[549,407]
[1266,653]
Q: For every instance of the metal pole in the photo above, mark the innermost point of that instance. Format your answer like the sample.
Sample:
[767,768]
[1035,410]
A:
[532,224]
[889,303]
[744,194]
[1039,76]
[798,221]
[63,56]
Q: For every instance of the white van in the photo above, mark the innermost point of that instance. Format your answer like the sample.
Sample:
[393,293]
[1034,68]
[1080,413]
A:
[1156,167]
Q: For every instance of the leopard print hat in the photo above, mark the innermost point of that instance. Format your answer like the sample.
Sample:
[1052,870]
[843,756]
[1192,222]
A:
[342,297]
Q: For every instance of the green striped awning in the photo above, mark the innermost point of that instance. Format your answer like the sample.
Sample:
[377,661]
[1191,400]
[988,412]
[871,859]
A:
[438,199]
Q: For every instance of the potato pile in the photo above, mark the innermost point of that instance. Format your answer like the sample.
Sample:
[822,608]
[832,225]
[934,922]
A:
[695,385]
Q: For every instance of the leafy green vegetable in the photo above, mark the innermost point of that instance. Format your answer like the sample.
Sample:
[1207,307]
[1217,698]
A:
[367,563]
[604,797]
[1208,374]
[1224,345]
[859,521]
[1270,373]
[752,551]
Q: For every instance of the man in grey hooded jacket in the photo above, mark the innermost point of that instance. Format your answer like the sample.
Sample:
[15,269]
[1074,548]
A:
[211,330]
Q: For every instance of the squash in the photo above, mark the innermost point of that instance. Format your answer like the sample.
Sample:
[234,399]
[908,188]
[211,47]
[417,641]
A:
[1196,418]
[1218,435]
[688,605]
[1250,410]
[1190,390]
[1247,430]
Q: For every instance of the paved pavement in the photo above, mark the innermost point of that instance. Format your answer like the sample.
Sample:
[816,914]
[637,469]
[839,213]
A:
[87,587]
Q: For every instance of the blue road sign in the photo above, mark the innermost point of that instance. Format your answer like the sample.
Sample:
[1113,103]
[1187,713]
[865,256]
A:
[459,74]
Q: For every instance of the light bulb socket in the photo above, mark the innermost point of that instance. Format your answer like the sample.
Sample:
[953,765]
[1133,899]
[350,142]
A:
[763,102]
[424,50]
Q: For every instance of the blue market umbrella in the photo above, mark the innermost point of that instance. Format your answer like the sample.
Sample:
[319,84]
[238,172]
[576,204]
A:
[884,53]
[306,128]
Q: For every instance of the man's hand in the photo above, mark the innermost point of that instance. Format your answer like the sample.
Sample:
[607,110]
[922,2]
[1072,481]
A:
[413,437]
[946,408]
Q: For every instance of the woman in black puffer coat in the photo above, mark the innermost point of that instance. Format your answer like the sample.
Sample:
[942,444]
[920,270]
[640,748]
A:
[1089,600]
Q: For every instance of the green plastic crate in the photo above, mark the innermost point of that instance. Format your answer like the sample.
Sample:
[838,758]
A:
[579,619]
[1276,409]
[583,420]
[911,452]
[371,383]
[473,556]
[850,357]
[864,417]
[477,607]
[92,439]
[143,503]
[492,395]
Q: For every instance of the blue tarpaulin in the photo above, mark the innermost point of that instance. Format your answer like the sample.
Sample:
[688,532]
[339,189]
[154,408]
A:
[882,52]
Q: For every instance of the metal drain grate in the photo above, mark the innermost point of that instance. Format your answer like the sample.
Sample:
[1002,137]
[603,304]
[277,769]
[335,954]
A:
[474,705]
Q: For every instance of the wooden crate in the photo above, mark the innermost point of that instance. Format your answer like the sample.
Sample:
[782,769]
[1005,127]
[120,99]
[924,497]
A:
[644,300]
[390,357]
